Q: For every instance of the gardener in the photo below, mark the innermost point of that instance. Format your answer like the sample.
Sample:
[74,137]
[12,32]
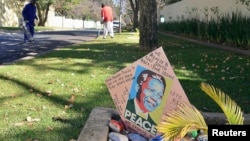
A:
[107,20]
[29,16]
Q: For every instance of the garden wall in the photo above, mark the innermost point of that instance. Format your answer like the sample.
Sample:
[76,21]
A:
[201,9]
[10,13]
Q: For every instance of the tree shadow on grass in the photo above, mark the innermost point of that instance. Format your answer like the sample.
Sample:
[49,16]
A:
[101,56]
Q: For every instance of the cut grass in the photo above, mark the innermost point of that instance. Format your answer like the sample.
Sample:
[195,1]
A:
[41,88]
[194,63]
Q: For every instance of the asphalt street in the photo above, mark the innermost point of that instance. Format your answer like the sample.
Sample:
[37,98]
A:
[12,47]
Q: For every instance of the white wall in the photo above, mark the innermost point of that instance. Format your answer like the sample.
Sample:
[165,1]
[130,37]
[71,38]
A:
[59,21]
[196,9]
[10,13]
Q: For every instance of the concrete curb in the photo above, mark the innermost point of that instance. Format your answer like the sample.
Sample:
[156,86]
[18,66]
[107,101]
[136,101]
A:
[96,127]
[220,118]
[232,49]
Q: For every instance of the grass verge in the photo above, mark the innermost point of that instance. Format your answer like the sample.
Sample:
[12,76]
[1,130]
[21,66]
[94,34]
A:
[50,97]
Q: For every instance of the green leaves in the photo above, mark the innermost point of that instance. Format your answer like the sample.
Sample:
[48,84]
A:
[231,110]
[186,118]
[178,123]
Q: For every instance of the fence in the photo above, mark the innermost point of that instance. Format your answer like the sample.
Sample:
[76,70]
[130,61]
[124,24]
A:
[59,21]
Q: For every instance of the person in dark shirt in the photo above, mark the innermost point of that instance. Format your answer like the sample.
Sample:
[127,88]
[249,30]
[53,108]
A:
[29,16]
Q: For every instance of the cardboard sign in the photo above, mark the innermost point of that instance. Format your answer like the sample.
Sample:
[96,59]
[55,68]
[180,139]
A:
[145,91]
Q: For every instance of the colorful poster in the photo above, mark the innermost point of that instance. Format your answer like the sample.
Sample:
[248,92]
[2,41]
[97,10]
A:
[145,91]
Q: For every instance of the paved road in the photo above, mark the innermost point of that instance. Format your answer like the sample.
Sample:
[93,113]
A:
[12,47]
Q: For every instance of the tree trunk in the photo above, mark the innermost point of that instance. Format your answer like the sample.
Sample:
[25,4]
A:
[135,21]
[43,15]
[148,25]
[135,8]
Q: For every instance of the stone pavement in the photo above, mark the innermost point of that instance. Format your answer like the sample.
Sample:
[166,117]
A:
[96,127]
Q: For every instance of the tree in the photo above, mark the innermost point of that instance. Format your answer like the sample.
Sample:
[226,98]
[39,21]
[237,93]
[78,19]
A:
[147,21]
[92,9]
[244,2]
[148,25]
[43,10]
[43,7]
[135,8]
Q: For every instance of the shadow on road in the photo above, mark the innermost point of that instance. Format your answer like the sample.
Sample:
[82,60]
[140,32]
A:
[13,48]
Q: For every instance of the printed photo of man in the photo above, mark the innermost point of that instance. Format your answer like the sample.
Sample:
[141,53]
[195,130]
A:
[146,93]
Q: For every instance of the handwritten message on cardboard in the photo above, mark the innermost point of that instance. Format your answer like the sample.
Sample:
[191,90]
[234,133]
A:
[161,92]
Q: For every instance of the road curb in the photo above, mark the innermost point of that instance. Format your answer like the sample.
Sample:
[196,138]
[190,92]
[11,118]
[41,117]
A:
[232,49]
[96,127]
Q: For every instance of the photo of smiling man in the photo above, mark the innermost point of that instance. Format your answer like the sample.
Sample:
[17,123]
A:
[146,95]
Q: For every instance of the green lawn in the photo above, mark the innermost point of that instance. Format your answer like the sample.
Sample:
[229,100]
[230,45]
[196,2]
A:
[36,92]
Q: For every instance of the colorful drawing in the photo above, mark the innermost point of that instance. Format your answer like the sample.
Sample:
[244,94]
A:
[145,91]
[146,95]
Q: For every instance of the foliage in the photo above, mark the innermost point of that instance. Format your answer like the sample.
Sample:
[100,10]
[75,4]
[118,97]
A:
[229,107]
[78,9]
[62,7]
[177,124]
[245,2]
[181,121]
[43,10]
[225,30]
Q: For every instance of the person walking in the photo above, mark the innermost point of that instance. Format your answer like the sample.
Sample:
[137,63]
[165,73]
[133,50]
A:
[107,20]
[29,16]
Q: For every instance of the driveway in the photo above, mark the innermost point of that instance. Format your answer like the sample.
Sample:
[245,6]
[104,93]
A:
[12,47]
